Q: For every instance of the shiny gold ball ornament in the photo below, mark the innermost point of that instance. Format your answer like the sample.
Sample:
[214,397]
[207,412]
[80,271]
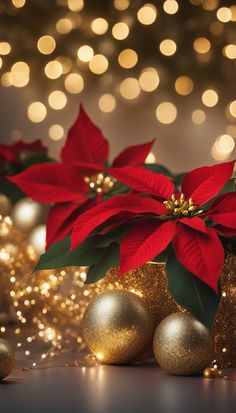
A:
[117,327]
[5,205]
[182,345]
[27,214]
[212,373]
[7,359]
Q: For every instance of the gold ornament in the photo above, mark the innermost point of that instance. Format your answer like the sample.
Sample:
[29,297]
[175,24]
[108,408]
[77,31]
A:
[27,214]
[182,345]
[117,327]
[5,205]
[212,373]
[37,238]
[7,359]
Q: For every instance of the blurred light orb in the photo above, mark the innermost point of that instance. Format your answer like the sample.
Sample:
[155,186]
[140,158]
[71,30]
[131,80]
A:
[85,53]
[232,108]
[128,58]
[37,239]
[231,130]
[224,14]
[210,4]
[233,11]
[64,26]
[18,3]
[147,14]
[201,45]
[129,88]
[99,26]
[198,116]
[150,158]
[121,4]
[20,74]
[65,62]
[217,155]
[74,83]
[107,103]
[230,51]
[171,6]
[5,48]
[53,69]
[46,44]
[57,100]
[56,132]
[98,64]
[120,31]
[6,79]
[149,79]
[166,112]
[210,98]
[216,28]
[75,5]
[224,144]
[27,214]
[37,112]
[0,62]
[168,47]
[184,85]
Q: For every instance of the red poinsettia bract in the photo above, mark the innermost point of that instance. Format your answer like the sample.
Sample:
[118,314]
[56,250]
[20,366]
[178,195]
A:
[63,183]
[11,153]
[192,219]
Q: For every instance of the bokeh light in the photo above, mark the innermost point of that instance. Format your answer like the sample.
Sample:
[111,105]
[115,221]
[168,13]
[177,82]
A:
[121,4]
[210,98]
[74,83]
[46,44]
[230,51]
[18,3]
[129,88]
[149,79]
[99,26]
[98,64]
[75,5]
[170,6]
[20,74]
[65,62]
[107,103]
[56,132]
[168,47]
[202,45]
[147,14]
[166,112]
[37,112]
[53,69]
[57,100]
[120,31]
[232,108]
[85,53]
[5,48]
[128,58]
[224,14]
[198,116]
[64,26]
[184,85]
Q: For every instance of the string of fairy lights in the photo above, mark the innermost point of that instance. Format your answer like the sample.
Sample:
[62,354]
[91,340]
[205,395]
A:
[131,49]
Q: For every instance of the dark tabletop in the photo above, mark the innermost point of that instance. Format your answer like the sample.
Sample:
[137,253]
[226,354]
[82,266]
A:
[113,389]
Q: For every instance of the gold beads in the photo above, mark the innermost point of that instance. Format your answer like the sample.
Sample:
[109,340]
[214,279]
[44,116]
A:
[182,345]
[100,183]
[117,327]
[7,359]
[180,206]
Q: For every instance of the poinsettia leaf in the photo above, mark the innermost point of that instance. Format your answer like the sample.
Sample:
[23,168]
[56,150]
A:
[203,184]
[195,223]
[109,258]
[7,153]
[85,142]
[145,181]
[35,146]
[50,182]
[201,254]
[159,169]
[191,293]
[223,210]
[133,155]
[10,190]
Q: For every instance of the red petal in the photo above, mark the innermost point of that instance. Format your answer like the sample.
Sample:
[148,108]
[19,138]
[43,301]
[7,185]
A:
[226,232]
[145,241]
[133,155]
[60,220]
[51,182]
[195,223]
[223,210]
[36,146]
[7,153]
[202,184]
[93,218]
[85,142]
[144,181]
[201,254]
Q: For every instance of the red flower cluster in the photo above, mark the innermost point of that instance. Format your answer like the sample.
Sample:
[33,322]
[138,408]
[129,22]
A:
[192,219]
[76,183]
[12,153]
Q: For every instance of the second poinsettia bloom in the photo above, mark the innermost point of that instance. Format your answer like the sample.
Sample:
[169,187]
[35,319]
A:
[192,220]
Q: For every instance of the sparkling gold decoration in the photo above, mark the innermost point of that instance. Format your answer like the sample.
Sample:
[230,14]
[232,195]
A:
[117,327]
[27,214]
[182,345]
[212,373]
[180,206]
[100,182]
[5,205]
[7,359]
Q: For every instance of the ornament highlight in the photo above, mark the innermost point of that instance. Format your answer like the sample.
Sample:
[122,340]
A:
[37,238]
[7,359]
[27,214]
[212,373]
[117,327]
[182,345]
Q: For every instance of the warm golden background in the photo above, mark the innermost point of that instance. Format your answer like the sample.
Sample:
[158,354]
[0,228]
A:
[142,69]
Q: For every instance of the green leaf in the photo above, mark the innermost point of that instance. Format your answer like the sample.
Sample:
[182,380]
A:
[35,160]
[191,293]
[159,169]
[109,258]
[10,190]
[229,244]
[229,187]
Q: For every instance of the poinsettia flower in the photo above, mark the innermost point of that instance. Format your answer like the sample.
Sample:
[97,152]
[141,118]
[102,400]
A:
[192,219]
[77,182]
[12,153]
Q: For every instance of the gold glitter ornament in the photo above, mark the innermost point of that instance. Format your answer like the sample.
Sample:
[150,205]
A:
[5,205]
[7,359]
[27,214]
[117,327]
[182,345]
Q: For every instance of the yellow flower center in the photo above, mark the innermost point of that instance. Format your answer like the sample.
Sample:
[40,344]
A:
[100,183]
[180,206]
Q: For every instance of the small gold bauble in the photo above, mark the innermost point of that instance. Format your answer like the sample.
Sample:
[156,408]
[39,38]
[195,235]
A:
[27,214]
[7,359]
[37,238]
[212,373]
[182,345]
[117,327]
[5,205]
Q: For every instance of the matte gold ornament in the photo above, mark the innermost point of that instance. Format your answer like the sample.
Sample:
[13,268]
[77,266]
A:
[182,345]
[7,359]
[117,327]
[27,214]
[5,205]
